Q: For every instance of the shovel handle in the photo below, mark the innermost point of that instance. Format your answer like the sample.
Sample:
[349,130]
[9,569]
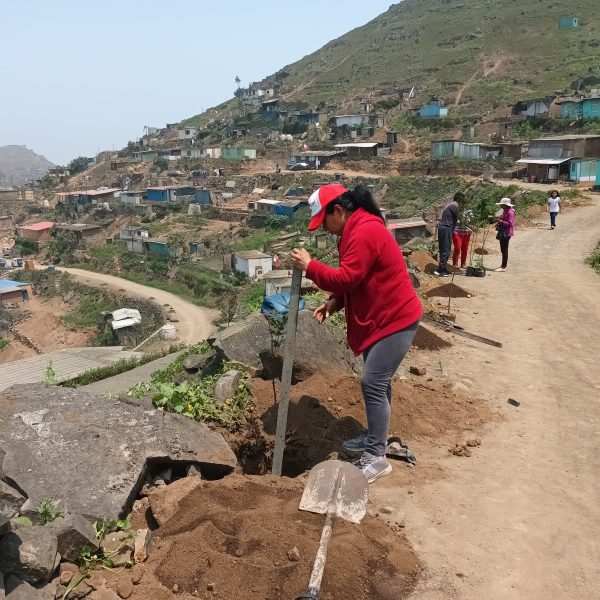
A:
[319,565]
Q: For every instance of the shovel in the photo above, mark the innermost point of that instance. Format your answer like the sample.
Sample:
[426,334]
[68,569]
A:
[335,489]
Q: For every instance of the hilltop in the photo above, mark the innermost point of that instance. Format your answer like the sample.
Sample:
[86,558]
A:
[477,56]
[18,164]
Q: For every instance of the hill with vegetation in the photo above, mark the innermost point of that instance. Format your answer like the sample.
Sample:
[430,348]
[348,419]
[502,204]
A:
[476,55]
[19,164]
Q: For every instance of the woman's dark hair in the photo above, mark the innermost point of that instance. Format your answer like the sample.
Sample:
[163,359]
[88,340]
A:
[552,192]
[360,197]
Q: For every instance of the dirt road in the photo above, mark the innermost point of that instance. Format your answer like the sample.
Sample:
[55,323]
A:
[194,323]
[520,518]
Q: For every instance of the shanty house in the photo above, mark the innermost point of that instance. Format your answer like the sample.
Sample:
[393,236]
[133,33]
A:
[280,282]
[253,263]
[14,291]
[134,237]
[83,231]
[289,208]
[234,153]
[315,159]
[36,232]
[267,205]
[359,149]
[434,110]
[583,169]
[459,149]
[580,108]
[187,133]
[568,22]
[538,107]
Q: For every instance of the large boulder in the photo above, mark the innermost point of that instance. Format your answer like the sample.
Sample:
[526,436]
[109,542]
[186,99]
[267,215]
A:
[227,386]
[73,533]
[30,553]
[10,500]
[317,346]
[91,453]
[17,589]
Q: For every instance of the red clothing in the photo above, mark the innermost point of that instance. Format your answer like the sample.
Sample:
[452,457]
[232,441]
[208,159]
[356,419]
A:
[372,282]
[460,241]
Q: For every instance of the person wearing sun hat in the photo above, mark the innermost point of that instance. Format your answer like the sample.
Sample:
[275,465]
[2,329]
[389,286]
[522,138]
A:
[506,229]
[382,310]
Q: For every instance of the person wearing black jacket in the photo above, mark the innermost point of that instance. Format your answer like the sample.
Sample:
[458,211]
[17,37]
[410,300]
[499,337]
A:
[446,227]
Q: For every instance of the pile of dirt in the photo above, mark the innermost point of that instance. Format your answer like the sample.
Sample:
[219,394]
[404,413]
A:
[448,290]
[327,409]
[426,339]
[231,540]
[422,261]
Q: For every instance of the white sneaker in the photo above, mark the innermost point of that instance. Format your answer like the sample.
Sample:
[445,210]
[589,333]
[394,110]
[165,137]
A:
[374,467]
[499,270]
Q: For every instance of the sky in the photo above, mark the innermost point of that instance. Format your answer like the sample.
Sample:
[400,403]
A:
[82,76]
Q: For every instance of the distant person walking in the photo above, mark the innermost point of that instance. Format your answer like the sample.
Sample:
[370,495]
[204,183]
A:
[506,229]
[553,207]
[446,227]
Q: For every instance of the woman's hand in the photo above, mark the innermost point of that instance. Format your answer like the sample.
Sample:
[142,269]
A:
[300,258]
[326,310]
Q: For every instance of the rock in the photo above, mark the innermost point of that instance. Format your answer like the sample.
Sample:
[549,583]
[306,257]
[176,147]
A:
[17,589]
[194,471]
[10,499]
[67,572]
[386,510]
[227,386]
[175,588]
[137,573]
[2,595]
[210,587]
[73,532]
[30,553]
[294,554]
[473,443]
[208,363]
[460,388]
[96,581]
[50,591]
[460,450]
[412,273]
[125,587]
[164,502]
[80,591]
[417,370]
[103,593]
[60,452]
[249,342]
[118,547]
[141,544]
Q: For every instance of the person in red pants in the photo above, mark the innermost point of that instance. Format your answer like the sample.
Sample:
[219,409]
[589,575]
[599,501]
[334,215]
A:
[460,241]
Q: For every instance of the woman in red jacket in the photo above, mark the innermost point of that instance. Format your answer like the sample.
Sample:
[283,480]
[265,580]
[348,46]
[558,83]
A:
[382,309]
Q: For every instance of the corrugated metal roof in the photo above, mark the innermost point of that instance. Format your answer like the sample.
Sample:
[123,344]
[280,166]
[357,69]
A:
[564,137]
[542,161]
[357,145]
[38,226]
[7,289]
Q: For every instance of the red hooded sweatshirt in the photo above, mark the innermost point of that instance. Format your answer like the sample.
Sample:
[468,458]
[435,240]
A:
[372,282]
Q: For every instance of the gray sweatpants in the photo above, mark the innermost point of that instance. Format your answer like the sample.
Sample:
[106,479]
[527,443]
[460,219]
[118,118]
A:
[382,360]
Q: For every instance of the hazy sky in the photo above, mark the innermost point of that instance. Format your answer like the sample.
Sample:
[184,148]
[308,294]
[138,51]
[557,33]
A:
[77,76]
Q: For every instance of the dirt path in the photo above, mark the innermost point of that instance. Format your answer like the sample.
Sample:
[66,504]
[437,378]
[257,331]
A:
[194,322]
[520,518]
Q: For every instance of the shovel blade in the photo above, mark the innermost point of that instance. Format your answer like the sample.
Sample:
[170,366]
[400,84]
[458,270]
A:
[338,486]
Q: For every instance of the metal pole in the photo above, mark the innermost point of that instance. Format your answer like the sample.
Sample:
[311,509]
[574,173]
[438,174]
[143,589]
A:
[286,373]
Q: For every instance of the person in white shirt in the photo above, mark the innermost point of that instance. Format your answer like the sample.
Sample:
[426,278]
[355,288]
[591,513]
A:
[553,207]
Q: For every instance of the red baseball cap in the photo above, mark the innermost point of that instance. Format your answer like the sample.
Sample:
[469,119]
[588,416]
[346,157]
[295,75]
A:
[319,200]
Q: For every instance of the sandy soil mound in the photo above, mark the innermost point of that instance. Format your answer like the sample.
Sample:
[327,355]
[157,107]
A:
[231,540]
[425,339]
[422,261]
[448,290]
[328,408]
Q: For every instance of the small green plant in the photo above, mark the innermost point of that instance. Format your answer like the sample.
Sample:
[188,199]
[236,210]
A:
[478,261]
[594,259]
[48,511]
[3,343]
[103,526]
[50,376]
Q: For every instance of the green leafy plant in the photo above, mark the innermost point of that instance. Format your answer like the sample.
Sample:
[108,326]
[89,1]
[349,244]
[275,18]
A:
[50,376]
[48,511]
[594,259]
[103,526]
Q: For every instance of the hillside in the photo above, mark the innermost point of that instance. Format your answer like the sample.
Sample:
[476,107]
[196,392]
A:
[18,163]
[479,55]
